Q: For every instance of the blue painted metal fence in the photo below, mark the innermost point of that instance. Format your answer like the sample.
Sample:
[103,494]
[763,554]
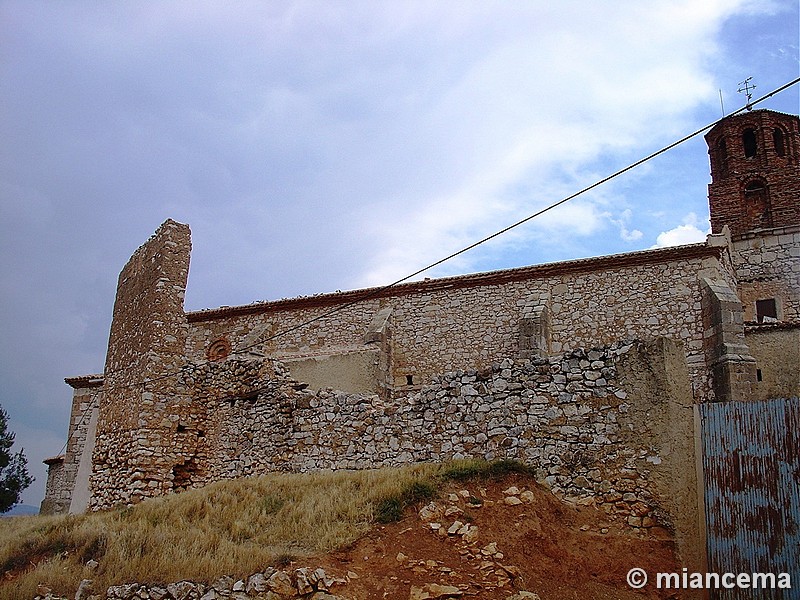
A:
[751,467]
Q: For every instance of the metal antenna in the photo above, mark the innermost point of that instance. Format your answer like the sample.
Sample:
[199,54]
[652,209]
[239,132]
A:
[747,88]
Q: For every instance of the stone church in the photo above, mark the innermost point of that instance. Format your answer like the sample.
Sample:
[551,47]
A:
[589,370]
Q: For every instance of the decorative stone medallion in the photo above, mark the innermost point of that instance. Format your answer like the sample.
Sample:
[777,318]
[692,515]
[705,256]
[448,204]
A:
[218,350]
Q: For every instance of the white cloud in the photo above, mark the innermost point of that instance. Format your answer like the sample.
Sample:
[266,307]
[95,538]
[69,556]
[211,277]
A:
[544,99]
[627,235]
[688,233]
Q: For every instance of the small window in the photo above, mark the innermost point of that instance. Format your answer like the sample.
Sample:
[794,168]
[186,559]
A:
[777,139]
[749,142]
[722,155]
[754,187]
[409,380]
[759,376]
[766,310]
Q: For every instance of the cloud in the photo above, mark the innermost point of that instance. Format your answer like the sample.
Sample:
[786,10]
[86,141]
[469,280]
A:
[688,233]
[523,119]
[627,235]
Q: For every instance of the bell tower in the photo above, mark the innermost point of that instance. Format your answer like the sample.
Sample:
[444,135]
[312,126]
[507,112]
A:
[755,172]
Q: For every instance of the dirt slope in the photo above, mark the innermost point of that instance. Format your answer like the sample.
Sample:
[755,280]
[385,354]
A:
[526,540]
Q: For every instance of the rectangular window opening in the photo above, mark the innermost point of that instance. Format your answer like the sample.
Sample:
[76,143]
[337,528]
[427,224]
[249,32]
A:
[409,380]
[759,377]
[766,310]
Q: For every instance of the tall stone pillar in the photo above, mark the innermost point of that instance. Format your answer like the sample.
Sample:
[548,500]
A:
[733,370]
[138,413]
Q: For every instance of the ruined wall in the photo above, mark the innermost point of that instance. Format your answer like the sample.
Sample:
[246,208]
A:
[662,417]
[610,426]
[132,456]
[159,425]
[451,324]
[571,416]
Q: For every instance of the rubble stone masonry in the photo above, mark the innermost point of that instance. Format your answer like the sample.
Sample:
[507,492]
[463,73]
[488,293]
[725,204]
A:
[610,426]
[174,382]
[145,351]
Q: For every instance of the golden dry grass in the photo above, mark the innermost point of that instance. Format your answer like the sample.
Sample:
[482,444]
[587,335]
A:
[231,527]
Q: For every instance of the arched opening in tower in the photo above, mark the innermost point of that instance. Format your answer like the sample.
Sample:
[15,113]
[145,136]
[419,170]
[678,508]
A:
[756,199]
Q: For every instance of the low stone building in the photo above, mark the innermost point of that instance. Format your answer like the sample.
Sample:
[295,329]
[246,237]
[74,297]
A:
[587,369]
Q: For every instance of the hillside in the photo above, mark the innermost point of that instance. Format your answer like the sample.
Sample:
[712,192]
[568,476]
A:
[466,529]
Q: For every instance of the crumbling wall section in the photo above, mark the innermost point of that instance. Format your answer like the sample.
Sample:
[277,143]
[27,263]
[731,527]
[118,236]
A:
[608,426]
[235,385]
[136,431]
[583,419]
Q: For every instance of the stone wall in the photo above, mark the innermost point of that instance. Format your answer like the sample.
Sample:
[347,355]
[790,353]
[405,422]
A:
[189,399]
[610,426]
[768,266]
[450,324]
[583,419]
[776,349]
[69,489]
[145,351]
[175,382]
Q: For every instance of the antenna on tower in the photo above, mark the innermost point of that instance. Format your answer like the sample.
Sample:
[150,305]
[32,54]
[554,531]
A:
[747,88]
[721,103]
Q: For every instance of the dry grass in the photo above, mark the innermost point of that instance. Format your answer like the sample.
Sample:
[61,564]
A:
[227,528]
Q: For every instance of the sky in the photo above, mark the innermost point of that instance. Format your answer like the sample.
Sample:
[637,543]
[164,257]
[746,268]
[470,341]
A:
[316,146]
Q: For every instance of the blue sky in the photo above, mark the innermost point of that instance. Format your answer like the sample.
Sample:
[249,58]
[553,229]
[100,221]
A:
[318,146]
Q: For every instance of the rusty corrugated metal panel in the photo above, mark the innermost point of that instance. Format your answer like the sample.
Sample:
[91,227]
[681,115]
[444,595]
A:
[751,466]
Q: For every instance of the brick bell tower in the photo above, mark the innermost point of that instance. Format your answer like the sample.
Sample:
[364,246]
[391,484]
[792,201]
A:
[755,171]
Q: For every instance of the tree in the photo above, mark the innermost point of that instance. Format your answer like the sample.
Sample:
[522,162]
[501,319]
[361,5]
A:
[14,477]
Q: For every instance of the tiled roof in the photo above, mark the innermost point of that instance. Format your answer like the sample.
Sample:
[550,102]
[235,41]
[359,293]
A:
[643,257]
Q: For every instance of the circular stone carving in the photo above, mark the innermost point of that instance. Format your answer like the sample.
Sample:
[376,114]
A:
[218,350]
